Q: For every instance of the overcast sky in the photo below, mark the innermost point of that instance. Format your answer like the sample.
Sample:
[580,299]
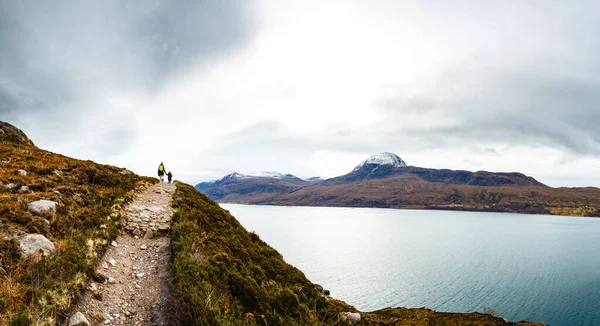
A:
[308,87]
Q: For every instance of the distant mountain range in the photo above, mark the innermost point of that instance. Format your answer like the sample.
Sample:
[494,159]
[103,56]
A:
[385,180]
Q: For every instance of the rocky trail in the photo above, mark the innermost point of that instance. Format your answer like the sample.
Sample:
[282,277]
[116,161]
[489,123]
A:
[132,284]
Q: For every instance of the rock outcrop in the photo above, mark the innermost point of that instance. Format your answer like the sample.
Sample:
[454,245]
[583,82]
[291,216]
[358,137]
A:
[8,130]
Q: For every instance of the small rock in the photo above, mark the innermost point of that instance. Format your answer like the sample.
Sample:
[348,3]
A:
[57,192]
[111,280]
[22,172]
[139,275]
[31,243]
[143,247]
[78,319]
[93,287]
[57,173]
[24,189]
[125,172]
[352,317]
[113,243]
[41,206]
[100,277]
[149,234]
[10,186]
[103,226]
[46,221]
[97,295]
[112,262]
[137,232]
[326,292]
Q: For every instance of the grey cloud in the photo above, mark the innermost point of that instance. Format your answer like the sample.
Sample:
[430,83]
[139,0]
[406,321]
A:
[513,108]
[528,76]
[61,59]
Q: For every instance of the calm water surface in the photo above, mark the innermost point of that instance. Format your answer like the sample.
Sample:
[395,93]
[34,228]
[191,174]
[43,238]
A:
[525,267]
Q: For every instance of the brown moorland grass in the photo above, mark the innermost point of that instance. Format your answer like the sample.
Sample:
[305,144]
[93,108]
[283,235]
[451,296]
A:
[37,289]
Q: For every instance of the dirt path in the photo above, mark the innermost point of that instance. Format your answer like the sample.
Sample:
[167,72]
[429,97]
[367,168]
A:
[133,283]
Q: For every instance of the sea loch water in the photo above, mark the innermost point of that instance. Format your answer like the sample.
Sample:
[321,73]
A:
[525,267]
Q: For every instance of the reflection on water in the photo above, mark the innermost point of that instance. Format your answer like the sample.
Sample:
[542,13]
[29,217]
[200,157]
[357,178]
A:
[525,267]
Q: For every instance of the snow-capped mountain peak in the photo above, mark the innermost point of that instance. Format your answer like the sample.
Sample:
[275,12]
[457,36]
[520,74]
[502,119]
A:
[271,175]
[384,158]
[314,179]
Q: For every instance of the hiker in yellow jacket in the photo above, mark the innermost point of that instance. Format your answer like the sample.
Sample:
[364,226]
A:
[161,172]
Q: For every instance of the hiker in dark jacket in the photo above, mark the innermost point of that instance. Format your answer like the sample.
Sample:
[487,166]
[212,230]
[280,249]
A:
[161,172]
[170,176]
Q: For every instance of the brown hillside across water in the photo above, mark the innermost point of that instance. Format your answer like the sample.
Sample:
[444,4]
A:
[408,187]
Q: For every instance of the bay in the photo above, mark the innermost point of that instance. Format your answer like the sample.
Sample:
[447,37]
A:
[525,267]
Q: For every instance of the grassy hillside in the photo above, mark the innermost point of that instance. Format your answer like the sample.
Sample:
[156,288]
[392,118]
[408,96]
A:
[228,276]
[225,275]
[38,289]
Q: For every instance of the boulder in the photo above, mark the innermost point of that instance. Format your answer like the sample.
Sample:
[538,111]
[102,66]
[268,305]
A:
[41,206]
[31,243]
[78,319]
[352,317]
